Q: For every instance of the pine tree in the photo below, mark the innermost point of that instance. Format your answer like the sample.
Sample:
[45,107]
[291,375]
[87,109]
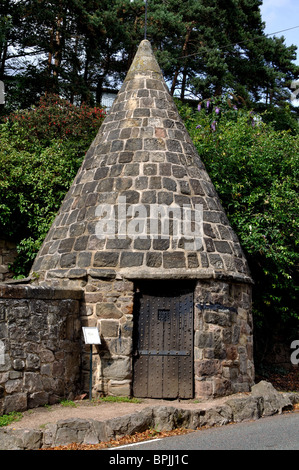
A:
[204,47]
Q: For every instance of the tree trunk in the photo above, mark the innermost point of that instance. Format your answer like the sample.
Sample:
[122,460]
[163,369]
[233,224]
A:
[49,66]
[3,60]
[84,93]
[99,90]
[75,71]
[184,53]
[58,51]
[174,80]
[57,55]
[184,81]
[218,90]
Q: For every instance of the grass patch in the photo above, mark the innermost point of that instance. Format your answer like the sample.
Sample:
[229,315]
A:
[69,403]
[42,426]
[112,399]
[5,420]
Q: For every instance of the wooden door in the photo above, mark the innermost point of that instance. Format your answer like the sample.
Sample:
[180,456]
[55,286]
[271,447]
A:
[163,342]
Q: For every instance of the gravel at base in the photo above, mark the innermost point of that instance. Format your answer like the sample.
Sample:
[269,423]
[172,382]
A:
[37,417]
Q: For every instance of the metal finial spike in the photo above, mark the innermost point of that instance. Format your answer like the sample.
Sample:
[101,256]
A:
[145,21]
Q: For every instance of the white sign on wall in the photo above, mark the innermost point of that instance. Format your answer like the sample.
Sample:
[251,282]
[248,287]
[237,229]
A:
[91,335]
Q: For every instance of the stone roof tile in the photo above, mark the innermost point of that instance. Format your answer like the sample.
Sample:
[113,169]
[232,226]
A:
[142,155]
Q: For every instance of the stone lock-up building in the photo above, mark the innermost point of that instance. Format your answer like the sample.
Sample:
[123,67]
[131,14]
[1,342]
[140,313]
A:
[143,234]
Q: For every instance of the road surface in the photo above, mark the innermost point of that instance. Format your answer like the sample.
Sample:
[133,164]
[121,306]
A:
[279,432]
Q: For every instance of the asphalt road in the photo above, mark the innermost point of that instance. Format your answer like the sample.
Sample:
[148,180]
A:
[279,432]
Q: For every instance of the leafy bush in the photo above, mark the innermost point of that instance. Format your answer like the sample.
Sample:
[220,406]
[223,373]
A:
[5,420]
[37,166]
[255,172]
[56,118]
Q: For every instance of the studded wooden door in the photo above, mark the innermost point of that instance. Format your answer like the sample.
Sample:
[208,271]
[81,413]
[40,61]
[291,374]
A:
[163,347]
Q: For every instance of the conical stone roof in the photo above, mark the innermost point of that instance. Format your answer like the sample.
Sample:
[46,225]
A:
[142,160]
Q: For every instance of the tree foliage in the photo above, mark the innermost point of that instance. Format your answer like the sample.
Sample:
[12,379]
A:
[77,48]
[41,151]
[255,171]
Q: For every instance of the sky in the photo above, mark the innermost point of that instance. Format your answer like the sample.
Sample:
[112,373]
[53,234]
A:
[279,15]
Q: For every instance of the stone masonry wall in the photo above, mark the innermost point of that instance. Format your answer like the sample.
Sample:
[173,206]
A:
[40,333]
[223,342]
[108,304]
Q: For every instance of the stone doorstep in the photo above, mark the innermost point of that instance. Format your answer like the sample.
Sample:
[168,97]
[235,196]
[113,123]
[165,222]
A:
[161,418]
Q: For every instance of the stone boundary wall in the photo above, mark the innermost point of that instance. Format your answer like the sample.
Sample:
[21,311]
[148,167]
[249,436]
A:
[8,253]
[264,400]
[40,346]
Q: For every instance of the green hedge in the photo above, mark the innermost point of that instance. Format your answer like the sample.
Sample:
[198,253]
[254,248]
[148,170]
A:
[255,171]
[41,152]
